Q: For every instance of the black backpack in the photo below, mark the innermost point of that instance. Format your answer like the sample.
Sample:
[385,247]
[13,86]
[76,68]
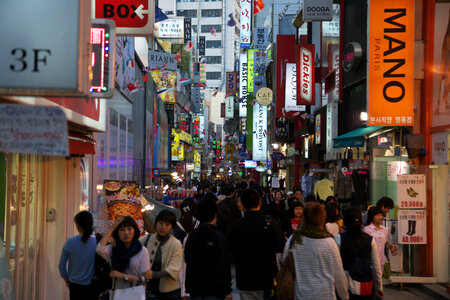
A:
[360,268]
[101,280]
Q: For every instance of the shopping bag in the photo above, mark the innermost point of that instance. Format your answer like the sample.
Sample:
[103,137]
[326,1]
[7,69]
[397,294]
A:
[387,270]
[285,279]
[132,293]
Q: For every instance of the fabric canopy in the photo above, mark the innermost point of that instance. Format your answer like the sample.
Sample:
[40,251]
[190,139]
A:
[356,138]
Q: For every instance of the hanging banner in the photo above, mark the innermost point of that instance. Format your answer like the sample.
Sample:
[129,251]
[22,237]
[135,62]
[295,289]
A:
[251,69]
[231,83]
[390,80]
[306,76]
[243,68]
[187,30]
[229,107]
[318,130]
[411,191]
[261,38]
[197,161]
[201,45]
[332,130]
[412,226]
[285,53]
[246,25]
[260,132]
[290,102]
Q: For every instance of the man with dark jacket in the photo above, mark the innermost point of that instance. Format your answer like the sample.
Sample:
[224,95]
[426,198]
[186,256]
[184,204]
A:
[254,242]
[208,263]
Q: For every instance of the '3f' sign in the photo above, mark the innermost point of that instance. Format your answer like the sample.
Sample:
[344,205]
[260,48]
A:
[39,56]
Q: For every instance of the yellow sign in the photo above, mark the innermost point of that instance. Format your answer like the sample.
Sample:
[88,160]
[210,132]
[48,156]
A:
[177,148]
[186,137]
[197,158]
[166,83]
[391,63]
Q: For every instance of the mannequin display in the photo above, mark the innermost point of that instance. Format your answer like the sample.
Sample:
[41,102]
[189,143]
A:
[323,189]
[344,185]
[307,183]
[360,186]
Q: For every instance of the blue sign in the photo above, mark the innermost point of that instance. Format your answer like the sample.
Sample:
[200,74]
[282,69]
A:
[155,172]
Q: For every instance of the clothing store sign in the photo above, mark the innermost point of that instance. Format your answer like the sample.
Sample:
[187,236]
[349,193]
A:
[162,60]
[306,75]
[33,129]
[317,10]
[411,191]
[246,25]
[260,132]
[243,68]
[290,101]
[331,127]
[412,226]
[390,75]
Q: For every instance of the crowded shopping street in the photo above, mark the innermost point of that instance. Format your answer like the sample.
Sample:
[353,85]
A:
[224,149]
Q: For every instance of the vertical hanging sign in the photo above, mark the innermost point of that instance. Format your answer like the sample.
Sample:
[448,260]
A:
[187,30]
[261,38]
[246,15]
[231,83]
[285,44]
[229,107]
[260,132]
[290,102]
[390,72]
[201,46]
[305,76]
[243,69]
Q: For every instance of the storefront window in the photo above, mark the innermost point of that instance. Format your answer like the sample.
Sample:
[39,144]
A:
[24,227]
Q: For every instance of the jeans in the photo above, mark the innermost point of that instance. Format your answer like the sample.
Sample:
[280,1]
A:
[205,298]
[81,292]
[251,295]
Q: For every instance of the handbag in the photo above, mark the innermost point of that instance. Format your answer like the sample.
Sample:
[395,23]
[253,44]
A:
[285,279]
[387,270]
[136,292]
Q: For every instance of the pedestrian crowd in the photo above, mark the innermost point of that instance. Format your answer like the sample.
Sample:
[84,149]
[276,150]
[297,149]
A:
[282,247]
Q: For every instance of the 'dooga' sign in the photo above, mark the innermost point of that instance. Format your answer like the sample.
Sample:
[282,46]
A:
[391,63]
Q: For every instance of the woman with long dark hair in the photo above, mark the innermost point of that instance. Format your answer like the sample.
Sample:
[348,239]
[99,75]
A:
[78,254]
[359,257]
[129,260]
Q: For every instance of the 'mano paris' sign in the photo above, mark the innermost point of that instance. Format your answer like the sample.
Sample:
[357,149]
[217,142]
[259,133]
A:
[305,75]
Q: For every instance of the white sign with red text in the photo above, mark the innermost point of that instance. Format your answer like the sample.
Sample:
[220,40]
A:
[411,191]
[246,25]
[305,77]
[412,226]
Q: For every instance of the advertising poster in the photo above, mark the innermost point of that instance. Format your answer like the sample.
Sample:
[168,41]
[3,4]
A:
[124,68]
[123,199]
[411,191]
[176,145]
[275,182]
[285,53]
[395,168]
[166,83]
[390,76]
[412,226]
[441,80]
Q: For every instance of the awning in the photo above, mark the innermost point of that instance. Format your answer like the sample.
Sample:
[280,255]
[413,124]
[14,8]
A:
[80,144]
[357,137]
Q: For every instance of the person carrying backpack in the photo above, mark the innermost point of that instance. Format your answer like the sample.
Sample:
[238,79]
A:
[359,257]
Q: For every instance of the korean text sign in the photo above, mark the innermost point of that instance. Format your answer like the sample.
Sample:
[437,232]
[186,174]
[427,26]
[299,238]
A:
[411,191]
[390,77]
[246,25]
